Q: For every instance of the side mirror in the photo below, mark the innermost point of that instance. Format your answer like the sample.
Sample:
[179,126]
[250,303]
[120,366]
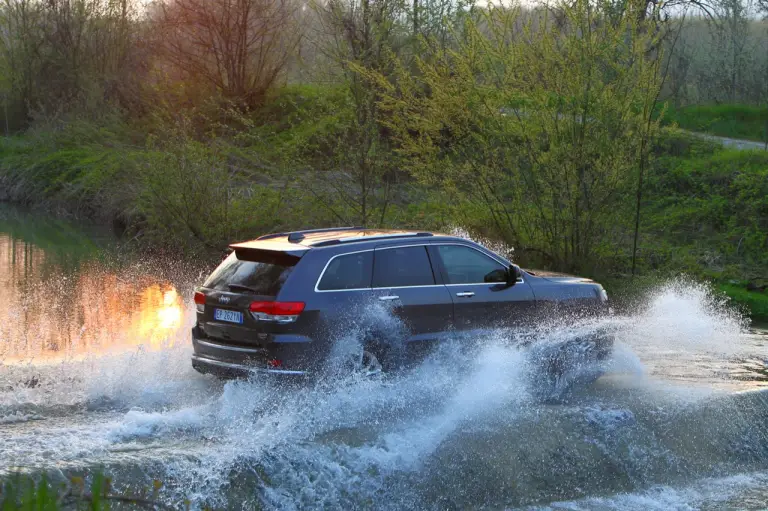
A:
[513,273]
[501,276]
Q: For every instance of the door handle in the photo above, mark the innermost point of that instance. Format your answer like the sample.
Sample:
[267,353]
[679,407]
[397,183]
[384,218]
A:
[388,298]
[466,294]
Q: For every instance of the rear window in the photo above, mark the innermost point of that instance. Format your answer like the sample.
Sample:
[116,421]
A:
[260,274]
[351,271]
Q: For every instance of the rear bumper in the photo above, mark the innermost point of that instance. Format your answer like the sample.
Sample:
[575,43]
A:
[212,356]
[235,370]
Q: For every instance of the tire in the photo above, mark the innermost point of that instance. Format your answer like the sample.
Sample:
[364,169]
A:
[559,368]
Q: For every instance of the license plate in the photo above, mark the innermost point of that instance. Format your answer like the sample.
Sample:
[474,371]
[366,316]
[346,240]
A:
[229,316]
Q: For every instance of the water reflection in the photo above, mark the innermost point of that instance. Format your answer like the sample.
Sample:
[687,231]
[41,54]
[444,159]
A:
[51,309]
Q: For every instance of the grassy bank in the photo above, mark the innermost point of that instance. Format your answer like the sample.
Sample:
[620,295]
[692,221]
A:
[706,210]
[732,121]
[755,303]
[200,178]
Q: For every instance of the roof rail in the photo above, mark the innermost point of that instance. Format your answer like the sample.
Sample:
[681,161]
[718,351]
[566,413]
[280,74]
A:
[374,237]
[296,236]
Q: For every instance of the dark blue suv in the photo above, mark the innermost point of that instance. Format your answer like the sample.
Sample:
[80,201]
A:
[278,303]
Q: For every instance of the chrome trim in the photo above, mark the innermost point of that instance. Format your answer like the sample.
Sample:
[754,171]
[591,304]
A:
[519,281]
[229,348]
[369,288]
[390,297]
[409,287]
[466,293]
[495,257]
[404,246]
[252,369]
[385,236]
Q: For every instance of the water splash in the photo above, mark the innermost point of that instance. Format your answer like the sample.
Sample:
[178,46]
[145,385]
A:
[687,332]
[686,315]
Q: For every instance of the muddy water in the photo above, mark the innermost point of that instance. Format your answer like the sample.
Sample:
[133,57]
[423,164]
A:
[94,372]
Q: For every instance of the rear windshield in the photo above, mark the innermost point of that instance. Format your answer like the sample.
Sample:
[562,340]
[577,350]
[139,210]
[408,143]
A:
[260,275]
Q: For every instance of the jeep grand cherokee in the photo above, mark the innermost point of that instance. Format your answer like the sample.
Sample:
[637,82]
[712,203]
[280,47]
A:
[277,303]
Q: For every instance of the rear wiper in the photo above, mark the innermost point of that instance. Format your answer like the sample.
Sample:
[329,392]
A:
[235,287]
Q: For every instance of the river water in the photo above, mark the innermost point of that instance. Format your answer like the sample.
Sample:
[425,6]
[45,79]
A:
[95,374]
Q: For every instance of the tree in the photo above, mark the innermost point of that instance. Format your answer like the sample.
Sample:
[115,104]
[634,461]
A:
[69,56]
[358,36]
[239,47]
[535,127]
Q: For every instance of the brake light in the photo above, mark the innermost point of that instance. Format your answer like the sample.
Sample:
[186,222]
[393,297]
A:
[280,312]
[278,308]
[275,363]
[200,301]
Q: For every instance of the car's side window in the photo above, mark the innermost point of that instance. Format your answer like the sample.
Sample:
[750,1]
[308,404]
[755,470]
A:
[349,271]
[402,267]
[465,265]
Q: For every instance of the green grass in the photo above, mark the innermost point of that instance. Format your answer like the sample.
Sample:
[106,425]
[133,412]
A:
[706,210]
[81,164]
[27,493]
[733,121]
[755,302]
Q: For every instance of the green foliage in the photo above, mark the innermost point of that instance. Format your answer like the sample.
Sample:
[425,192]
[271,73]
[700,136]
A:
[733,121]
[189,193]
[73,58]
[300,123]
[169,189]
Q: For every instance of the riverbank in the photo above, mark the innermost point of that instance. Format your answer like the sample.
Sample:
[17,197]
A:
[67,236]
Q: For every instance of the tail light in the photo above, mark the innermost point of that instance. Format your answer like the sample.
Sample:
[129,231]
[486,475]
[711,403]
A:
[279,312]
[200,301]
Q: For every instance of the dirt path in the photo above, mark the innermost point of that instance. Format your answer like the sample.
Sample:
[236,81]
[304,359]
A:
[734,143]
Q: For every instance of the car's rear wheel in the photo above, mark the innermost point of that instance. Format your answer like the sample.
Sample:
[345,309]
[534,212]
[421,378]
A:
[363,360]
[369,364]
